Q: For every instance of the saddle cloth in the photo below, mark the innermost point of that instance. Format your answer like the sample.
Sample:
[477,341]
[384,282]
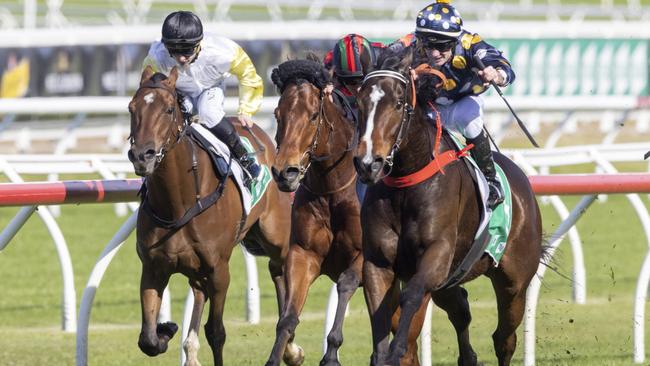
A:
[215,146]
[495,225]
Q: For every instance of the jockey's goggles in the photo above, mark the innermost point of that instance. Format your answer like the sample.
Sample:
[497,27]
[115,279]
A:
[182,50]
[352,81]
[441,45]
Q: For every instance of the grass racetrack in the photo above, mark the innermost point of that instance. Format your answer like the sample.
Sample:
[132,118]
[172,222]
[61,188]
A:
[597,333]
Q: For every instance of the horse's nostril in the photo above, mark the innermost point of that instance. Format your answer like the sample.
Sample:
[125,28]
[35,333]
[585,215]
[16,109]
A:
[149,154]
[291,172]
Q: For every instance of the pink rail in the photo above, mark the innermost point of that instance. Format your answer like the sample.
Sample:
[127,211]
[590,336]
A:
[125,190]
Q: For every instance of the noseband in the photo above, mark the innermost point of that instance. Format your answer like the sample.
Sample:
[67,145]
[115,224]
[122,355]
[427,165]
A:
[310,153]
[181,129]
[407,108]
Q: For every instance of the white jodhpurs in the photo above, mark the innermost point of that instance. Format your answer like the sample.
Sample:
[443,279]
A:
[464,115]
[208,105]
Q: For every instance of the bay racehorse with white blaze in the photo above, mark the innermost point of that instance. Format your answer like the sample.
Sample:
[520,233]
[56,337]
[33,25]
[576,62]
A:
[421,233]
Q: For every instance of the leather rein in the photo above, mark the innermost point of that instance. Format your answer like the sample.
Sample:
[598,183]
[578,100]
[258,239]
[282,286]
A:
[310,153]
[201,204]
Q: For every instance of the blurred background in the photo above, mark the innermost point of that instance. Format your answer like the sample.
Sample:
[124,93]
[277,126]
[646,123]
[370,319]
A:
[576,61]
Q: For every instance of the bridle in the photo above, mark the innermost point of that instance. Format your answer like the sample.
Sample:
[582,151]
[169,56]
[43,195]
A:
[407,109]
[310,153]
[182,129]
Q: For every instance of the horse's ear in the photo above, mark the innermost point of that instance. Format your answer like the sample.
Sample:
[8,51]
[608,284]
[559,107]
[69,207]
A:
[406,60]
[173,75]
[146,74]
[276,79]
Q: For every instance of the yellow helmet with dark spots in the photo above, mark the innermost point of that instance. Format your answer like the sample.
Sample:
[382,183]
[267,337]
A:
[439,21]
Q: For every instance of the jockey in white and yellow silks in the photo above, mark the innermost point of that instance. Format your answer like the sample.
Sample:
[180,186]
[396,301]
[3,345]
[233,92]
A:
[204,63]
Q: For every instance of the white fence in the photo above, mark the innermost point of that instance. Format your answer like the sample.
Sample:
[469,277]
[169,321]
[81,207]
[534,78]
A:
[610,113]
[109,166]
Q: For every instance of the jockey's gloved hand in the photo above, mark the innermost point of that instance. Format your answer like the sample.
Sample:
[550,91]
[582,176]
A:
[186,104]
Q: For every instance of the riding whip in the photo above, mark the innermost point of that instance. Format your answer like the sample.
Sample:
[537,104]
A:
[257,141]
[496,87]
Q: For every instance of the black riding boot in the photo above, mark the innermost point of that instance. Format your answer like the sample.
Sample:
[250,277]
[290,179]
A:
[482,154]
[225,132]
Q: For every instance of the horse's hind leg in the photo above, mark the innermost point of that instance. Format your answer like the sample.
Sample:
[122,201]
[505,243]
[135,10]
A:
[347,284]
[153,337]
[215,331]
[511,303]
[191,344]
[454,302]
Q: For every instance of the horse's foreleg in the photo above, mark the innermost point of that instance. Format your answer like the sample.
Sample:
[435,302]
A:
[411,358]
[454,302]
[191,344]
[410,302]
[301,268]
[347,284]
[381,292]
[215,332]
[153,337]
[511,302]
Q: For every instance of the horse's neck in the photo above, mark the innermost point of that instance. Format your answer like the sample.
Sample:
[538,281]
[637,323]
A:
[338,149]
[417,147]
[171,189]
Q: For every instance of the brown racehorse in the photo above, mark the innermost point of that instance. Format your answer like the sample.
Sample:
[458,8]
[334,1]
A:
[315,150]
[420,234]
[177,174]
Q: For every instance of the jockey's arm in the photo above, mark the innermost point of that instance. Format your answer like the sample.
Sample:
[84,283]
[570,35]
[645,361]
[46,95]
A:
[251,87]
[497,67]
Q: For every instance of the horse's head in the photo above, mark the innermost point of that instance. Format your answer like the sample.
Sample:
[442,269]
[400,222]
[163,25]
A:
[300,119]
[156,121]
[385,106]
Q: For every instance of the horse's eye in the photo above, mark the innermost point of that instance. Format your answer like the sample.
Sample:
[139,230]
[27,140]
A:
[399,105]
[170,110]
[313,117]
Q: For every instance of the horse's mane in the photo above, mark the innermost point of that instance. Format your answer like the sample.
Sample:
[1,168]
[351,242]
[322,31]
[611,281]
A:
[158,77]
[426,85]
[298,72]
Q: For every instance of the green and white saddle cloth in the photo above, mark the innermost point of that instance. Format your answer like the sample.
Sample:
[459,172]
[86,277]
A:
[258,186]
[495,224]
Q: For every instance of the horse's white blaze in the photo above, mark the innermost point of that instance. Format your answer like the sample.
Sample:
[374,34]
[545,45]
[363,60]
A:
[375,97]
[191,346]
[149,98]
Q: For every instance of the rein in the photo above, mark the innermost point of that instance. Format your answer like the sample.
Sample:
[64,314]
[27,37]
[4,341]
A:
[439,160]
[201,204]
[310,154]
[407,109]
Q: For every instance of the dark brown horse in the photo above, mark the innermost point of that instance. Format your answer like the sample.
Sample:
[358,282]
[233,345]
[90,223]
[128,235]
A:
[315,150]
[177,174]
[420,234]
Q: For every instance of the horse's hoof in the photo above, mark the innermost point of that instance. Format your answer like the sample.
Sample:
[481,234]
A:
[167,329]
[330,363]
[293,355]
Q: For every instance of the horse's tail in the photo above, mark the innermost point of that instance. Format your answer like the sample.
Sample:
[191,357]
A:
[548,259]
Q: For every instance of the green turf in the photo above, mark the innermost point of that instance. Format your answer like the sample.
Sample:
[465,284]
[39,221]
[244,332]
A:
[598,333]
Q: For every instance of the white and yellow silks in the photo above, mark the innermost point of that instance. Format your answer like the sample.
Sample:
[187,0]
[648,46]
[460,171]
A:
[218,59]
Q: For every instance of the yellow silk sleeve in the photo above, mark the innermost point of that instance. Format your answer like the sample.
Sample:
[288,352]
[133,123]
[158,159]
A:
[149,61]
[251,87]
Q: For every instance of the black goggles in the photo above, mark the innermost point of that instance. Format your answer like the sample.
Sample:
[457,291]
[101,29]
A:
[354,81]
[181,50]
[439,45]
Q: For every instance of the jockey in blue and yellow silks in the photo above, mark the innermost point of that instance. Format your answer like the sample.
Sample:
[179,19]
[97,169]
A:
[442,43]
[204,62]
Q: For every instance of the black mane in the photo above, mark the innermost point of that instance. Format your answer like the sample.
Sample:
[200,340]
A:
[158,77]
[298,72]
